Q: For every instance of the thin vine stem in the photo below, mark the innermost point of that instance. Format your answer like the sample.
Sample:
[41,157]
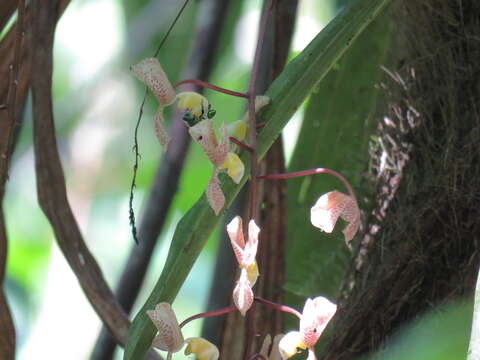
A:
[133,185]
[311,172]
[207,85]
[241,144]
[218,312]
[278,307]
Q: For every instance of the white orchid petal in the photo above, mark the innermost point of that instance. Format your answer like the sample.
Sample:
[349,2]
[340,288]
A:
[290,343]
[235,233]
[315,317]
[169,336]
[150,72]
[251,247]
[329,207]
[160,131]
[243,294]
[214,193]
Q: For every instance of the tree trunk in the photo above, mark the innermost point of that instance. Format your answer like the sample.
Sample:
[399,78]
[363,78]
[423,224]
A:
[422,244]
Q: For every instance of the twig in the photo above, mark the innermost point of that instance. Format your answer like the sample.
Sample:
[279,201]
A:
[311,172]
[12,88]
[133,185]
[212,313]
[7,327]
[212,87]
[241,144]
[252,136]
[278,307]
[51,186]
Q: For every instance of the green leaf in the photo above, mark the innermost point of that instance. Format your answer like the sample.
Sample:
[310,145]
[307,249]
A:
[334,134]
[287,93]
[441,334]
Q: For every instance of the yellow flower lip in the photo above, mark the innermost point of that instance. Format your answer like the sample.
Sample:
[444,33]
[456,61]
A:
[290,344]
[252,273]
[237,129]
[202,349]
[234,166]
[193,102]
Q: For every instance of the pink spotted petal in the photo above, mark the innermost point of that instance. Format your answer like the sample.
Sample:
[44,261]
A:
[150,72]
[222,148]
[329,207]
[160,131]
[235,233]
[214,193]
[203,134]
[250,250]
[243,294]
[315,317]
[169,336]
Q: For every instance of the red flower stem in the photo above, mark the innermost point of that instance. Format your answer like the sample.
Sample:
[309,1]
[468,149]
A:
[241,144]
[256,356]
[212,87]
[218,312]
[311,172]
[278,307]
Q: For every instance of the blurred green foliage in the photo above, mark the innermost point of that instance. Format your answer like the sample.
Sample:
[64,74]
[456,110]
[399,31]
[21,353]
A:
[441,334]
[334,134]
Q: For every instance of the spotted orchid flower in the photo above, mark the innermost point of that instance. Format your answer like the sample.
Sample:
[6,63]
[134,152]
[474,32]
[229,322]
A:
[333,205]
[196,107]
[315,317]
[238,129]
[150,72]
[245,253]
[219,154]
[170,337]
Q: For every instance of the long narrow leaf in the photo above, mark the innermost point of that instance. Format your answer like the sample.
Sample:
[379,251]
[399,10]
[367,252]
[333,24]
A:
[287,93]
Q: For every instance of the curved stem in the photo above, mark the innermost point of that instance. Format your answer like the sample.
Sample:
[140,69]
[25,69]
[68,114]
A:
[278,307]
[218,312]
[241,144]
[311,172]
[212,87]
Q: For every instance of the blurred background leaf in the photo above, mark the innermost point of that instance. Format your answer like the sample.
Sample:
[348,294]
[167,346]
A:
[441,334]
[334,134]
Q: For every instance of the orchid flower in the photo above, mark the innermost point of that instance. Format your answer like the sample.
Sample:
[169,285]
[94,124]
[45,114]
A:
[222,155]
[245,253]
[196,107]
[315,317]
[329,207]
[219,155]
[238,129]
[170,336]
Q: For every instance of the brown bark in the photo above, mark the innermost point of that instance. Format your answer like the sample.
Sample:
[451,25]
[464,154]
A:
[272,202]
[52,194]
[425,249]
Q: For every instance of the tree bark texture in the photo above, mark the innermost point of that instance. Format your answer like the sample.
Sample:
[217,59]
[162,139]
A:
[422,247]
